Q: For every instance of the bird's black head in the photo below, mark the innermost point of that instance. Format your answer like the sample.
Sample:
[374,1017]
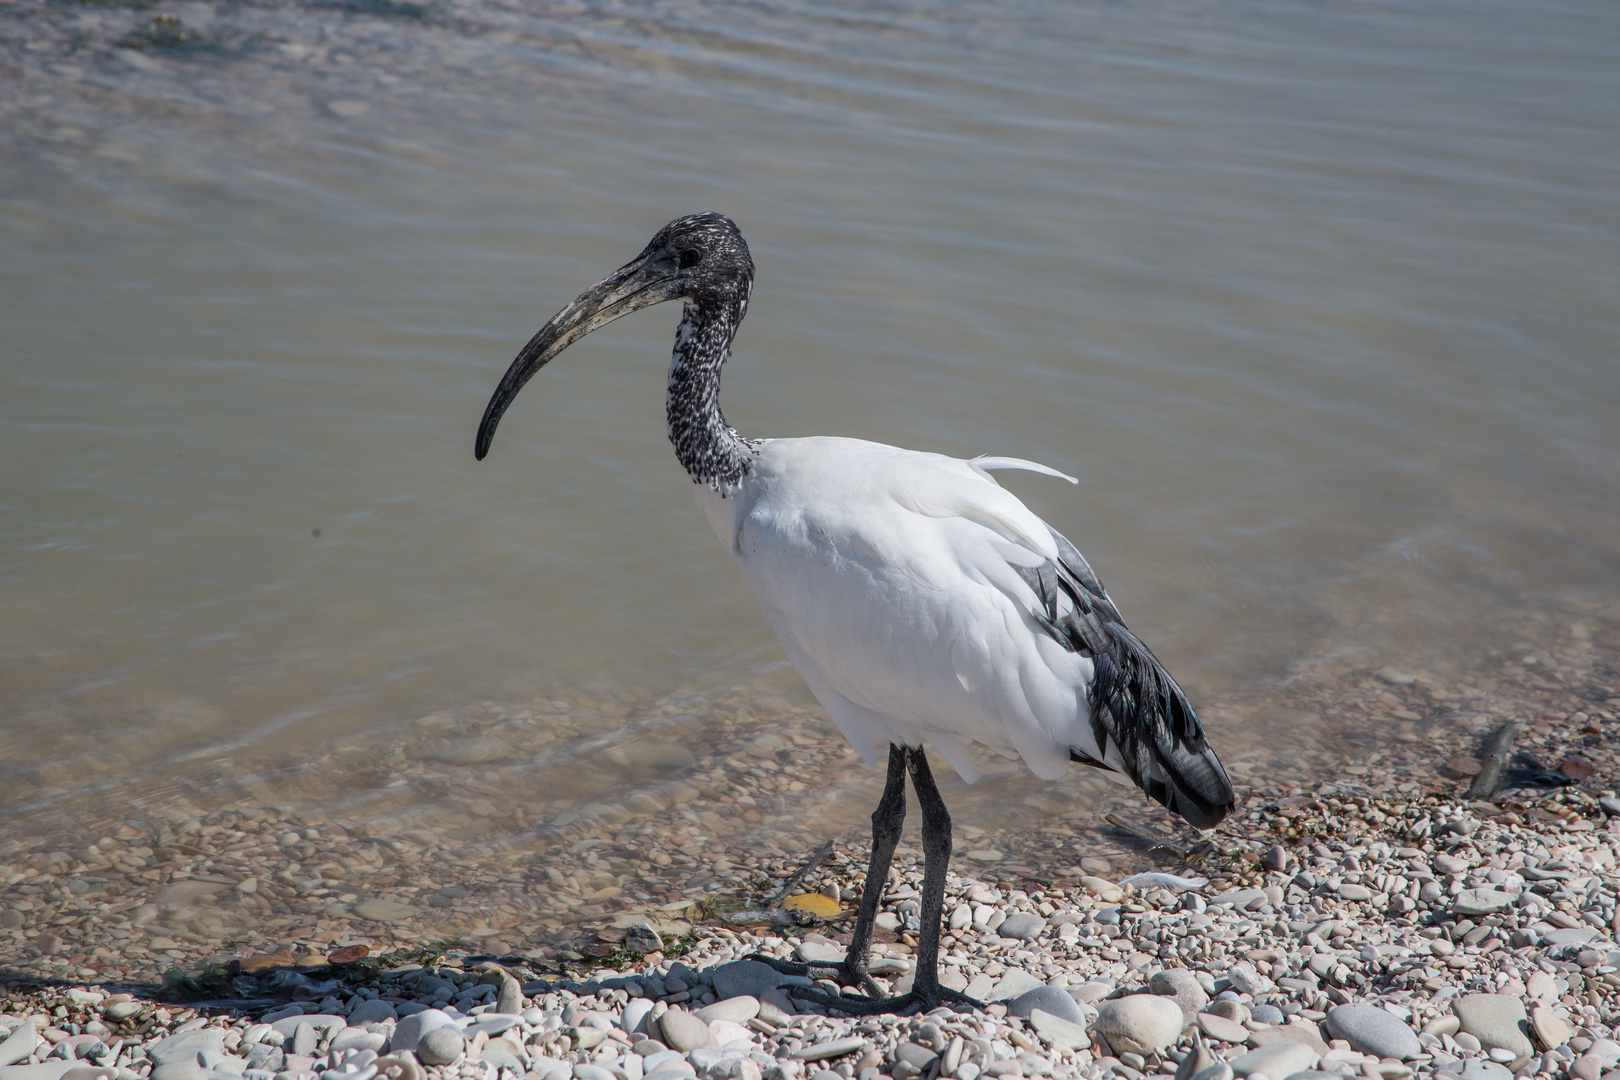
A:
[701,259]
[707,255]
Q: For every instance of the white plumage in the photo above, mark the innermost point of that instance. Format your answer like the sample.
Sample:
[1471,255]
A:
[925,605]
[887,575]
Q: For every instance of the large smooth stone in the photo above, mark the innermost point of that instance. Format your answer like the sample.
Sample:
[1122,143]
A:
[500,1058]
[1371,1030]
[178,1070]
[1246,980]
[1089,993]
[634,1017]
[45,1070]
[1476,1069]
[493,1023]
[357,1038]
[1496,1020]
[1061,1031]
[1480,902]
[684,1032]
[1277,1061]
[186,1046]
[19,1044]
[441,1046]
[738,1010]
[727,1032]
[408,1034]
[1024,926]
[819,952]
[1220,1028]
[1549,1029]
[1013,984]
[745,977]
[319,1021]
[1183,986]
[1140,1023]
[1304,1032]
[1048,999]
[832,1048]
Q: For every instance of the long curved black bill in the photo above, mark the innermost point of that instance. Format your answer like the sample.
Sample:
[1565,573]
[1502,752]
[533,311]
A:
[632,287]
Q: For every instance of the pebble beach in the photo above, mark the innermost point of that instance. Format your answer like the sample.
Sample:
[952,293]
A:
[1381,923]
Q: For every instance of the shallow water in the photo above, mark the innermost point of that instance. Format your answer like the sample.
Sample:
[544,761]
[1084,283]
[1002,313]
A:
[1318,303]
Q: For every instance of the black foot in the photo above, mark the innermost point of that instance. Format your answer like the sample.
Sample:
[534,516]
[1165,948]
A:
[843,972]
[914,1001]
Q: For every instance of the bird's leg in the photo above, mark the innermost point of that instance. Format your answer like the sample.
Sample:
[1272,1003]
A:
[887,820]
[936,838]
[925,992]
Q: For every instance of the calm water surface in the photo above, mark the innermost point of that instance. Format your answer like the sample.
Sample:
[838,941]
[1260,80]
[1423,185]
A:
[1319,301]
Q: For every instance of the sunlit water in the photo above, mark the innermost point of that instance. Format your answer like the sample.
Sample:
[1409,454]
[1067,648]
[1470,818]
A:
[1318,302]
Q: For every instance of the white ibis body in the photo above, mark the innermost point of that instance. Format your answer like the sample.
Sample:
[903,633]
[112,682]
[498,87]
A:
[924,605]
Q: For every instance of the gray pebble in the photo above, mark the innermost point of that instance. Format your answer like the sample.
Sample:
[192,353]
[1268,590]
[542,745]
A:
[1278,1059]
[739,1010]
[1048,999]
[820,952]
[1266,1014]
[1181,985]
[510,999]
[170,1070]
[408,1035]
[304,1040]
[1139,1023]
[1475,1069]
[186,1046]
[1481,902]
[441,1046]
[1024,926]
[1372,1030]
[832,1048]
[1496,1020]
[684,1032]
[20,1043]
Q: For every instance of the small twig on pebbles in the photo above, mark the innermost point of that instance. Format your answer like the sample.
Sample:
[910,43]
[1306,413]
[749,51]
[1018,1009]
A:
[810,867]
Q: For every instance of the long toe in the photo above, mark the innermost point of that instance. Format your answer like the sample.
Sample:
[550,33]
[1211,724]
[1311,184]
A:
[790,967]
[912,1002]
[843,971]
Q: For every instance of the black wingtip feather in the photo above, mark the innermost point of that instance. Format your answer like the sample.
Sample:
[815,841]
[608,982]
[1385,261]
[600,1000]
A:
[1141,721]
[1142,710]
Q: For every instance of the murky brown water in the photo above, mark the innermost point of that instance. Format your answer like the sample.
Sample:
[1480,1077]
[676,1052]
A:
[1318,303]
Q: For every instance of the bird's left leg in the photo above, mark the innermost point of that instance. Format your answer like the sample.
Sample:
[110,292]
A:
[936,838]
[887,820]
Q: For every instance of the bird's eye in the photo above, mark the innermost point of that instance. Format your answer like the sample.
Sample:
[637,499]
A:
[690,258]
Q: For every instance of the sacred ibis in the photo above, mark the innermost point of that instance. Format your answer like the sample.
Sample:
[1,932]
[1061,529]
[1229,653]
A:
[925,606]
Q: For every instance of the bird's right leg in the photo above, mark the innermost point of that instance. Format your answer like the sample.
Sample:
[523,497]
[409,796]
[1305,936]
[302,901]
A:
[887,821]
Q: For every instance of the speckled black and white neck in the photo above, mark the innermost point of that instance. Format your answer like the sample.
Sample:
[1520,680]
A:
[709,448]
